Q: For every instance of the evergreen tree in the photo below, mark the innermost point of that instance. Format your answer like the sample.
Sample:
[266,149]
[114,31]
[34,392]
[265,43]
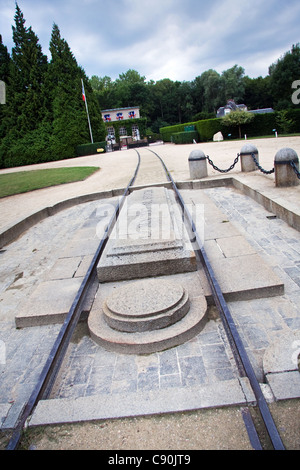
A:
[4,62]
[24,110]
[70,125]
[4,76]
[29,66]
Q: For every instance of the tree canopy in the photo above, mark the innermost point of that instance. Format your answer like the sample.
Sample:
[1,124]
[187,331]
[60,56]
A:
[45,118]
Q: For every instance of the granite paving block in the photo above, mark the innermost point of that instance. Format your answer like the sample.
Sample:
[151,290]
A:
[246,277]
[80,246]
[192,370]
[235,246]
[100,381]
[170,380]
[64,268]
[285,385]
[168,363]
[214,356]
[97,407]
[49,303]
[283,353]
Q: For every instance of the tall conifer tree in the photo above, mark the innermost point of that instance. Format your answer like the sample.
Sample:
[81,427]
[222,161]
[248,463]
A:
[29,66]
[70,126]
[4,76]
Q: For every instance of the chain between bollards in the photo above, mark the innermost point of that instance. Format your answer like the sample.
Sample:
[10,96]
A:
[266,172]
[293,165]
[223,171]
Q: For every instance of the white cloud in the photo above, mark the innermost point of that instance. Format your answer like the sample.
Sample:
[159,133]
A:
[178,39]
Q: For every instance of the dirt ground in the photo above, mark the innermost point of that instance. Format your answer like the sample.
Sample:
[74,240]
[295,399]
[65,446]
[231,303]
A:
[210,429]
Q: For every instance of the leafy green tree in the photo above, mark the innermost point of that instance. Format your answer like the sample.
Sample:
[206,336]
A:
[284,124]
[257,92]
[282,74]
[185,101]
[233,84]
[208,90]
[237,118]
[104,90]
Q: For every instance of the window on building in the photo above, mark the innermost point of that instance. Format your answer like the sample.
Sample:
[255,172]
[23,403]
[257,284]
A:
[122,131]
[111,131]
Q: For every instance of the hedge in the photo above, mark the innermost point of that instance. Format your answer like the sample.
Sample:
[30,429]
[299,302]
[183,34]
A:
[262,124]
[208,128]
[90,149]
[185,137]
[167,132]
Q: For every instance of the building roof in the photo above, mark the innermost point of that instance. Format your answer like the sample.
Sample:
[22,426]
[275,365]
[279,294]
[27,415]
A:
[261,111]
[119,109]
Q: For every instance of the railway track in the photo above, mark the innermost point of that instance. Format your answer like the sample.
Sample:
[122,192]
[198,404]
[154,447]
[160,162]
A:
[52,366]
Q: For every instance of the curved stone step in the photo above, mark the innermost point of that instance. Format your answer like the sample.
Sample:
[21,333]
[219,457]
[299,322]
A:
[145,306]
[149,341]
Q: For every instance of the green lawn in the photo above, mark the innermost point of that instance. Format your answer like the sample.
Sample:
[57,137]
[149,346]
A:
[24,181]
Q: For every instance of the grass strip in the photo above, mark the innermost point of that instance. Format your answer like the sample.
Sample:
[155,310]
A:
[24,181]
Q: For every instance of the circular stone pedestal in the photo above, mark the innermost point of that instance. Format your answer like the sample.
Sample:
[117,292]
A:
[146,316]
[145,306]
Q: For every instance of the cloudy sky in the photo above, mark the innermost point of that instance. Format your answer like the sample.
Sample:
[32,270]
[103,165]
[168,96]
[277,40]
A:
[176,39]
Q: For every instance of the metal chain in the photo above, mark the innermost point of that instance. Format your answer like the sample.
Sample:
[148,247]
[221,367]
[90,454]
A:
[266,172]
[293,165]
[223,171]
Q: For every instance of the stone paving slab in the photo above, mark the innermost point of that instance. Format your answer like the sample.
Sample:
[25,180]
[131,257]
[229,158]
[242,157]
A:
[282,354]
[284,385]
[140,404]
[240,271]
[49,303]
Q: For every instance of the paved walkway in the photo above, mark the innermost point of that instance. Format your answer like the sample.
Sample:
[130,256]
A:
[203,367]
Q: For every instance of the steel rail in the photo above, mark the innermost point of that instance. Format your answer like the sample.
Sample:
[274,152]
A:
[240,354]
[51,368]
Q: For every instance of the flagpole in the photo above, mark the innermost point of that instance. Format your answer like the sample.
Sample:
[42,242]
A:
[87,111]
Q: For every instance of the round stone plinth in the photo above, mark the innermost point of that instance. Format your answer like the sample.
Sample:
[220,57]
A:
[146,305]
[164,318]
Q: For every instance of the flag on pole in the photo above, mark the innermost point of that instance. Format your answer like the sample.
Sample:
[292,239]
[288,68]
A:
[87,111]
[83,93]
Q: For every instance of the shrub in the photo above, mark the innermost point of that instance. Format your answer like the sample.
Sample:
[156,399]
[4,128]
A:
[90,149]
[167,132]
[185,137]
[208,128]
